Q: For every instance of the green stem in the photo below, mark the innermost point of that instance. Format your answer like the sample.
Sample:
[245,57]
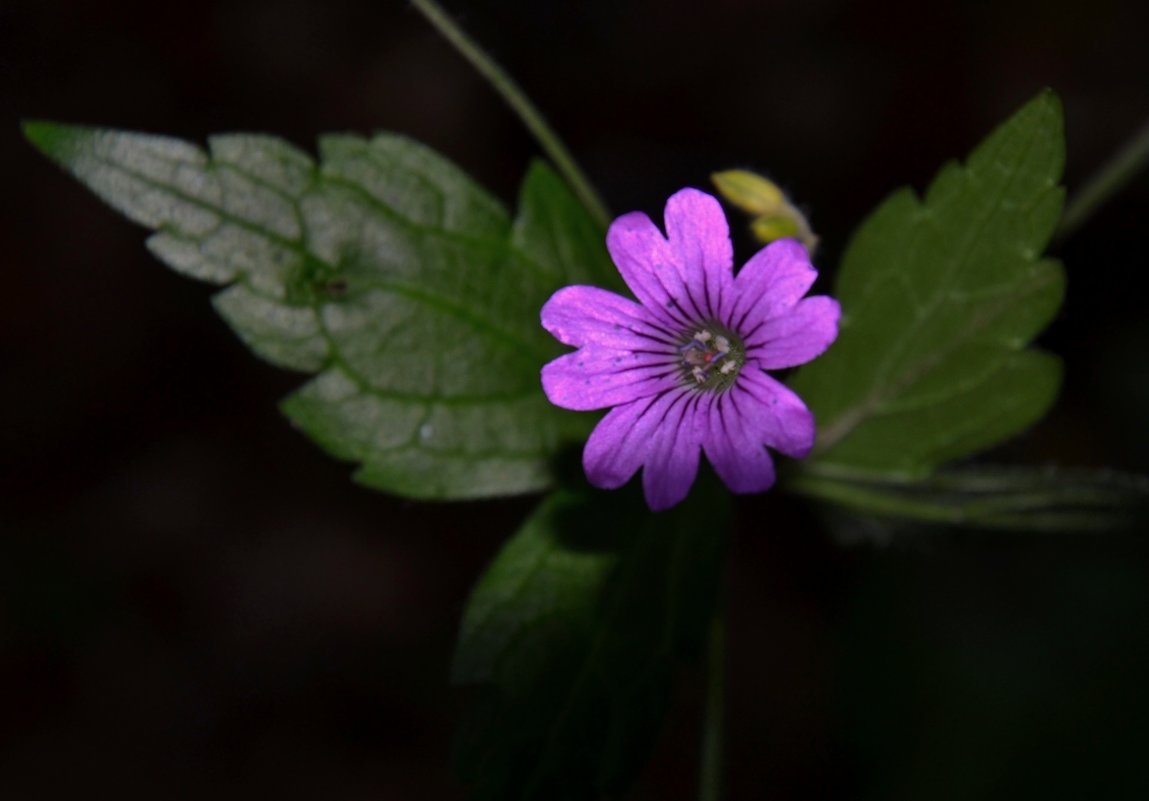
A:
[866,499]
[710,771]
[1050,509]
[531,117]
[1106,182]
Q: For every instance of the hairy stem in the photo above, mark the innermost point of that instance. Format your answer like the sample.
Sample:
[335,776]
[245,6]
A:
[1106,182]
[531,117]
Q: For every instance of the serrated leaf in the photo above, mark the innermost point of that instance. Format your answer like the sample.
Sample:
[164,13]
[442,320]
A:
[1031,499]
[384,269]
[572,637]
[940,298]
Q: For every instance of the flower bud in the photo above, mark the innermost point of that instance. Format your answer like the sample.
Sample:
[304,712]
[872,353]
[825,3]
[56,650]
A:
[750,192]
[774,216]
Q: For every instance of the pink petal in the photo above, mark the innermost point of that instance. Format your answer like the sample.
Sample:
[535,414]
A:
[698,233]
[796,336]
[649,266]
[587,315]
[734,446]
[595,377]
[774,279]
[775,413]
[622,441]
[669,470]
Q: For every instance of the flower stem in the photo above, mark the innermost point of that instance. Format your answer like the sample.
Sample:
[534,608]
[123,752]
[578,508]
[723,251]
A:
[1106,182]
[529,115]
[710,770]
[1033,501]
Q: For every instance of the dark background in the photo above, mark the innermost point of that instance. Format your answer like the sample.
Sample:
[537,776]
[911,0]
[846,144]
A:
[197,603]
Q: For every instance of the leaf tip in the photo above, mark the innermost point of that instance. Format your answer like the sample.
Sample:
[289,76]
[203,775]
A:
[50,138]
[539,177]
[1047,102]
[39,133]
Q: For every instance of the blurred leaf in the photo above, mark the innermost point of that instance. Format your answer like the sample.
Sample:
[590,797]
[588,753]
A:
[385,270]
[572,637]
[940,298]
[1008,498]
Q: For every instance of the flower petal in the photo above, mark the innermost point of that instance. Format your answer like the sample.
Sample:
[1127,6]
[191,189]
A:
[734,446]
[670,469]
[777,416]
[774,279]
[595,377]
[622,441]
[649,266]
[796,336]
[587,315]
[630,355]
[697,229]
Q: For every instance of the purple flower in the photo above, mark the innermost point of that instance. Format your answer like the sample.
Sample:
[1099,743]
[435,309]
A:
[684,368]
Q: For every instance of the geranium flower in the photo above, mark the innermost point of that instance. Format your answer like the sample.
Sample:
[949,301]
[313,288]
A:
[684,367]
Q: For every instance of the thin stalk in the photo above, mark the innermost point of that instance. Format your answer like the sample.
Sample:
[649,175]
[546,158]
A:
[710,769]
[548,140]
[868,499]
[1106,182]
[1054,509]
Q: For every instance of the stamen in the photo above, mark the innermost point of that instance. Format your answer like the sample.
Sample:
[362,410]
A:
[707,348]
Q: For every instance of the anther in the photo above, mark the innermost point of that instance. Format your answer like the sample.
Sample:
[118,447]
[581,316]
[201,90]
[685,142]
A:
[706,350]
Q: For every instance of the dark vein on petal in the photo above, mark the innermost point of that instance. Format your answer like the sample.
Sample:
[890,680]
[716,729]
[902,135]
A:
[626,370]
[652,338]
[725,426]
[653,400]
[669,354]
[745,317]
[688,273]
[706,295]
[674,303]
[643,318]
[718,300]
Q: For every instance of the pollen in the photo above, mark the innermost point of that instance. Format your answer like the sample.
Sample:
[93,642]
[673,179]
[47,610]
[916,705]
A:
[711,358]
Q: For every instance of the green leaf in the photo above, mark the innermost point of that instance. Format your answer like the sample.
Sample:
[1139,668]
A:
[572,637]
[939,299]
[996,498]
[384,269]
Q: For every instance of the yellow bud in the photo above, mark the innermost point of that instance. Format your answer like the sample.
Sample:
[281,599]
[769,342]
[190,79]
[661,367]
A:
[788,223]
[767,229]
[774,216]
[750,192]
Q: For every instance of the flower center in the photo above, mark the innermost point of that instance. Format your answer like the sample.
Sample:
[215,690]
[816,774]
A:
[711,357]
